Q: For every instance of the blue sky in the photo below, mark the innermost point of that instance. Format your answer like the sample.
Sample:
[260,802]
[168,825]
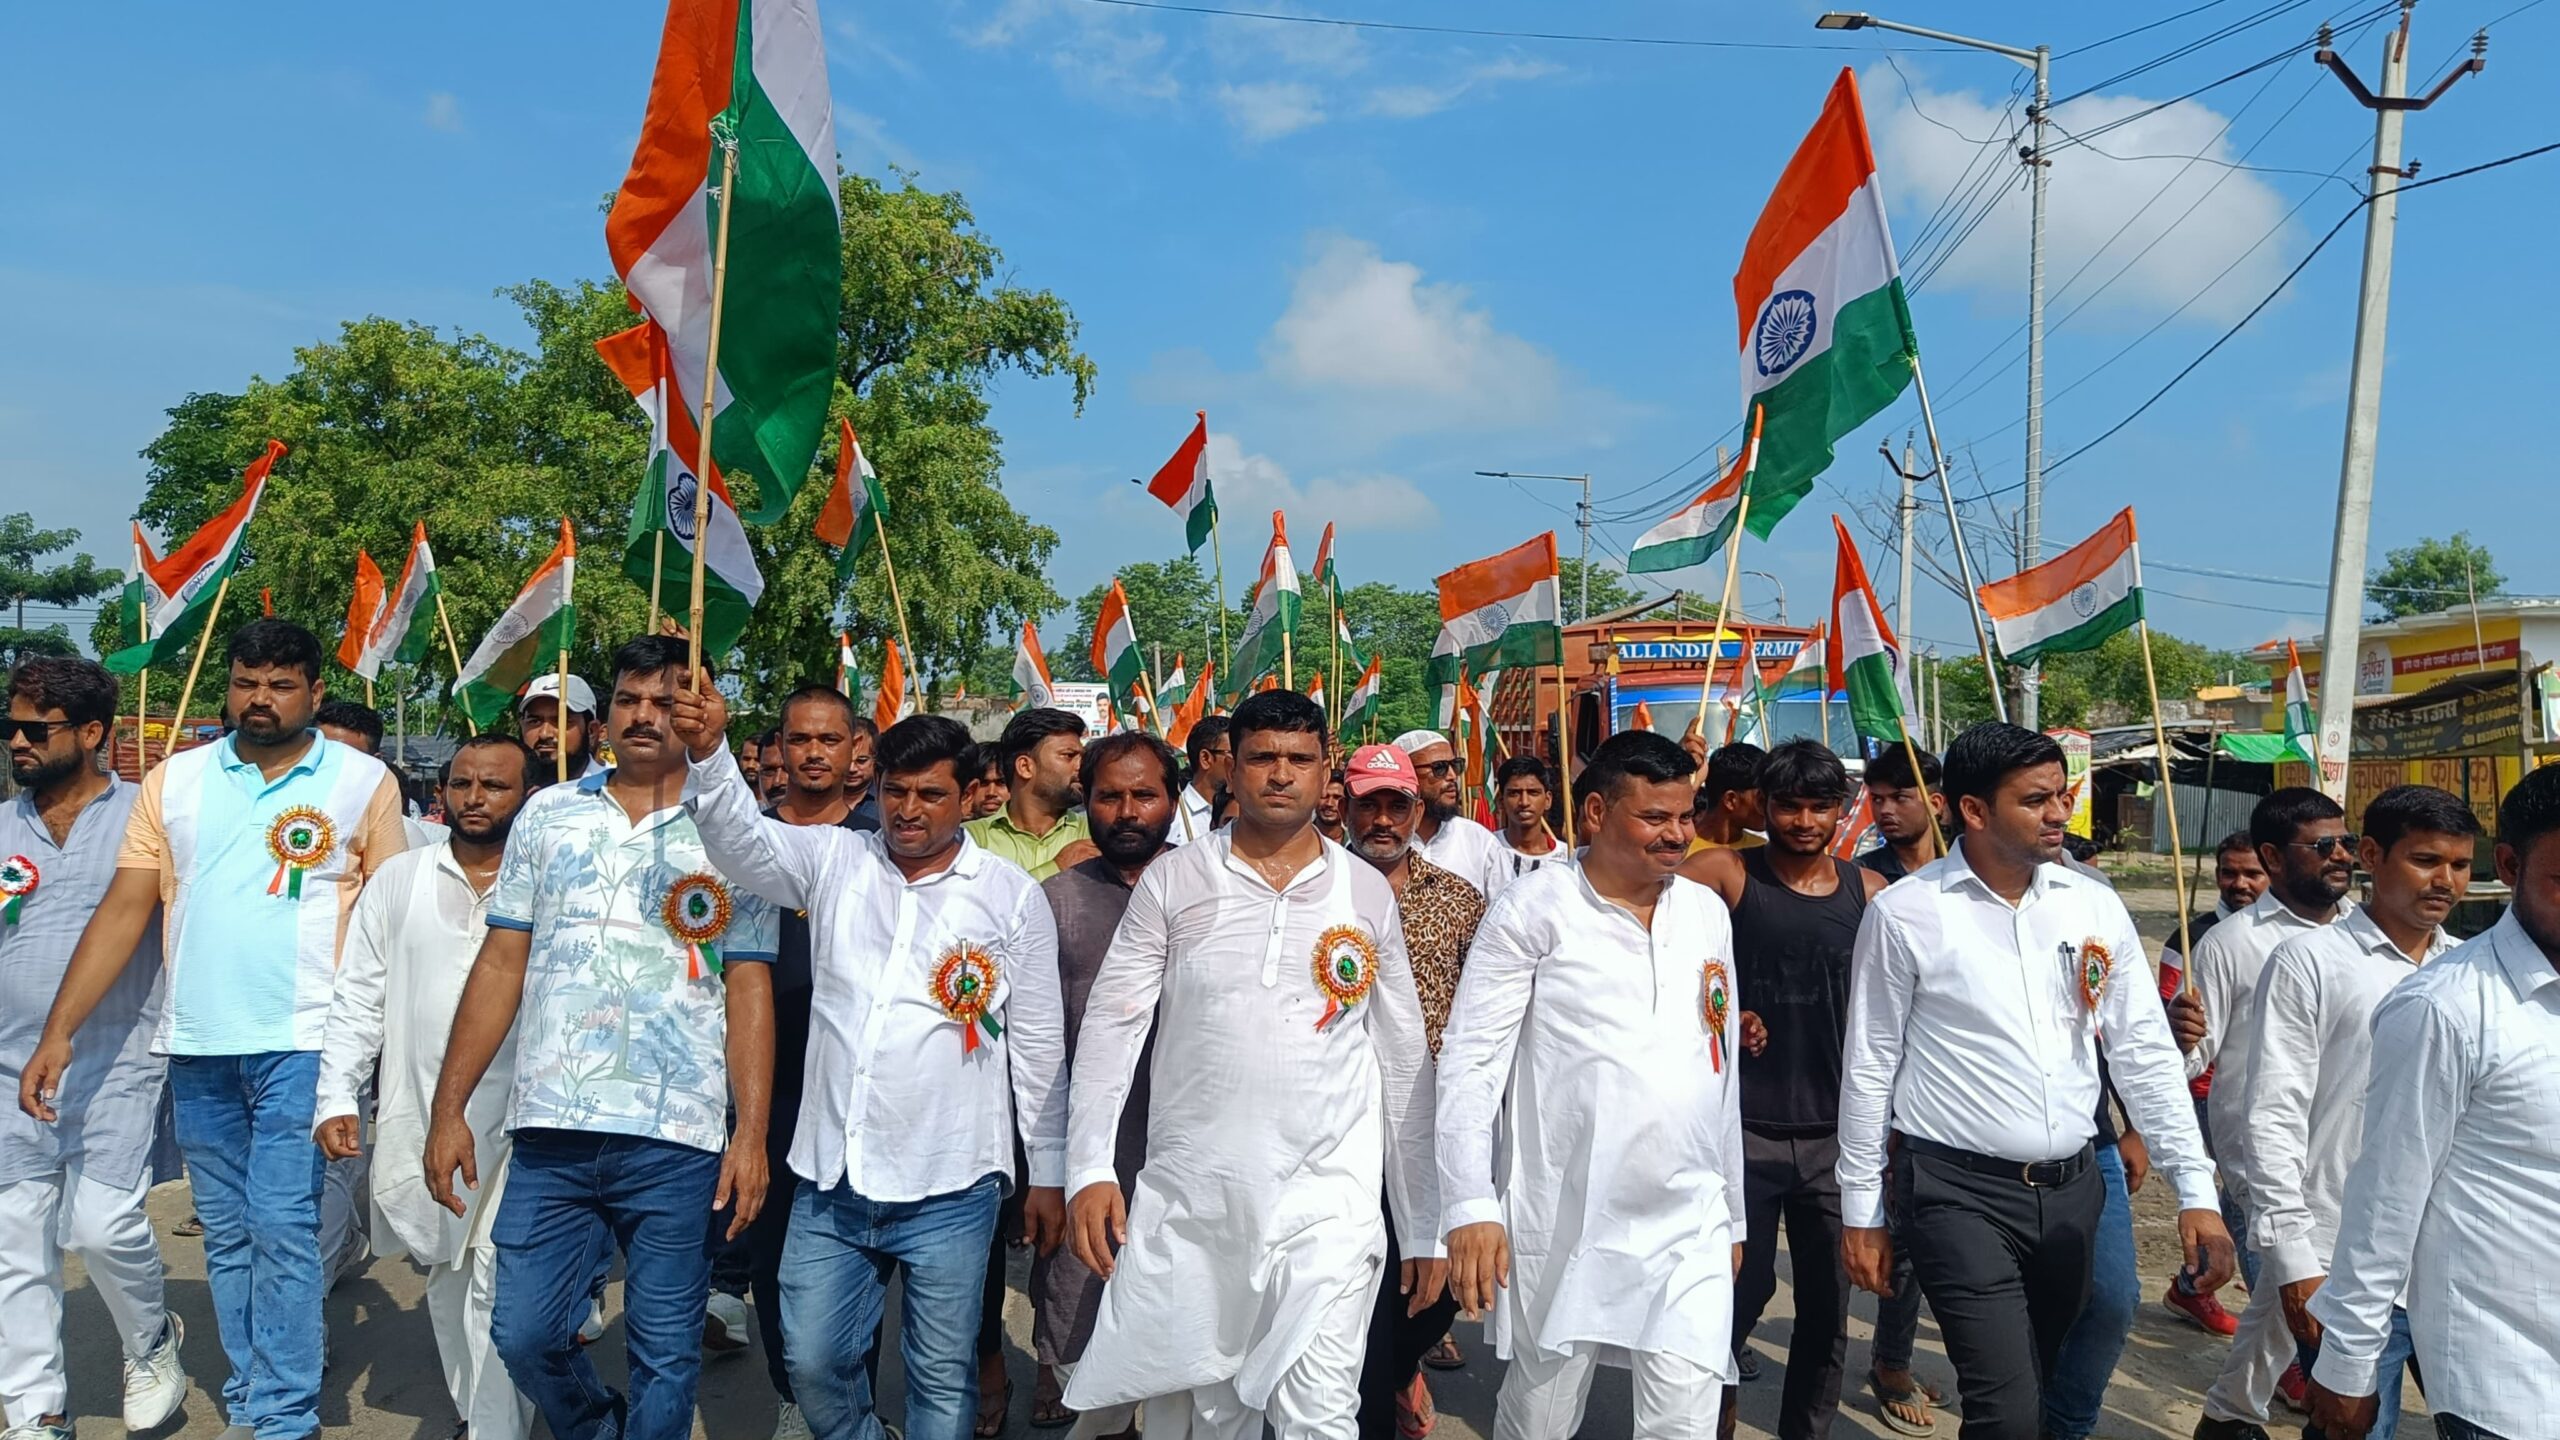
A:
[1380,260]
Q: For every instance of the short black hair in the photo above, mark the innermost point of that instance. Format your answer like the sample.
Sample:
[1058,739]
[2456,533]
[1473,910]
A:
[647,655]
[1119,745]
[769,738]
[2405,810]
[1024,733]
[2282,814]
[1804,770]
[1892,769]
[920,742]
[1991,752]
[81,689]
[1734,767]
[348,715]
[866,727]
[2531,810]
[492,740]
[1632,755]
[1519,767]
[1282,712]
[817,694]
[1205,734]
[2237,840]
[268,641]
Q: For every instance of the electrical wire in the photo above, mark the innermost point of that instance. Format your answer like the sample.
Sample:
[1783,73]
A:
[1404,27]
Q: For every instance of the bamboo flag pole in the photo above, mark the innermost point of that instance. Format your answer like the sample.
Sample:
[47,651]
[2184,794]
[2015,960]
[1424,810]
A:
[142,628]
[1286,677]
[657,573]
[728,144]
[1964,558]
[560,709]
[187,692]
[1732,570]
[1333,636]
[1564,745]
[446,621]
[1226,652]
[2168,795]
[906,642]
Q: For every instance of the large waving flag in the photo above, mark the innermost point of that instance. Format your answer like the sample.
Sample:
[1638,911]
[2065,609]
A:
[363,609]
[750,75]
[537,626]
[401,632]
[1274,616]
[1694,532]
[890,706]
[2073,601]
[639,357]
[1826,332]
[1032,688]
[1182,483]
[856,506]
[1115,648]
[1362,705]
[1865,659]
[1506,610]
[192,574]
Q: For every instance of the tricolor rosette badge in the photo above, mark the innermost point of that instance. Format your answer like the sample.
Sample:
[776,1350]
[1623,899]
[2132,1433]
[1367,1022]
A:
[1346,965]
[964,985]
[696,911]
[1715,1006]
[2096,964]
[298,839]
[18,877]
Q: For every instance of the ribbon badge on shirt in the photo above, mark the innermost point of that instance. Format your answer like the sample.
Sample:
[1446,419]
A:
[1717,1004]
[964,985]
[1346,964]
[2095,963]
[298,839]
[18,877]
[696,911]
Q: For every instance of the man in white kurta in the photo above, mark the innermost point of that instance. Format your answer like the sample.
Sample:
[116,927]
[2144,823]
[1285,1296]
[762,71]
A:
[1599,1000]
[410,945]
[1289,1069]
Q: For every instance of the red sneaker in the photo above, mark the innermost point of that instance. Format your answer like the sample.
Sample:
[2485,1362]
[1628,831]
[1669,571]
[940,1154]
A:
[2202,1311]
[2290,1388]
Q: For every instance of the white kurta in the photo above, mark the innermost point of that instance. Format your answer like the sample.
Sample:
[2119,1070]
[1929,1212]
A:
[1620,1171]
[410,943]
[1257,1207]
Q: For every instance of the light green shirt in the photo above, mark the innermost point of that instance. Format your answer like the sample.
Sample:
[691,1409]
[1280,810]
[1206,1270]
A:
[1035,853]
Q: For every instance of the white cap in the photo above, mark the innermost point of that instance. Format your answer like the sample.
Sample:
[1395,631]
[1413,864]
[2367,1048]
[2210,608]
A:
[582,701]
[1414,742]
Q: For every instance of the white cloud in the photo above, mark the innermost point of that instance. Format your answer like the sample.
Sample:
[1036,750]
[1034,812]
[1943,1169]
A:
[444,112]
[1107,54]
[849,36]
[1249,484]
[861,136]
[1412,102]
[1267,110]
[1359,322]
[2092,197]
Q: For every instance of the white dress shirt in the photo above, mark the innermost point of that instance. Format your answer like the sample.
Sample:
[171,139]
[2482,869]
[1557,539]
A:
[410,945]
[2307,1085]
[894,1101]
[1515,862]
[1621,1168]
[1257,1206]
[2230,960]
[1191,817]
[1968,1026]
[1471,852]
[2456,1197]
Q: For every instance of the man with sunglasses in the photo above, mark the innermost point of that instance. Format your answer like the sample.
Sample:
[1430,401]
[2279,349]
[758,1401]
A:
[2309,856]
[1447,838]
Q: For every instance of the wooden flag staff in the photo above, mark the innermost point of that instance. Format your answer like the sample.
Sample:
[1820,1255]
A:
[195,667]
[1732,574]
[446,621]
[728,143]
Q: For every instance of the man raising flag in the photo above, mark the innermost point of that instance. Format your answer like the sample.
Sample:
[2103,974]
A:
[658,553]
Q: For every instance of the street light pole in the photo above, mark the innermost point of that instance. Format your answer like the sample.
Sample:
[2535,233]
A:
[1782,591]
[1581,520]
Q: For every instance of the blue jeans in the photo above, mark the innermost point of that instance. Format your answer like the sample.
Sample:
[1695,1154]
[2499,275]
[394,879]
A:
[571,1197]
[244,1122]
[2399,1358]
[2077,1387]
[836,1267]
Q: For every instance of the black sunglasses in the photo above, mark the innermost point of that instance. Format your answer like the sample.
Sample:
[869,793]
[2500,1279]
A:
[2328,843]
[1439,767]
[38,732]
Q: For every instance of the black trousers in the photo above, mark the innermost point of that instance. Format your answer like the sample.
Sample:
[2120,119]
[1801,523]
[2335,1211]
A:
[751,1265]
[1792,1180]
[1989,1251]
[1397,1343]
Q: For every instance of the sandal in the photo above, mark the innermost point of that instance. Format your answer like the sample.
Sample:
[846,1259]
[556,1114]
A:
[1906,1411]
[1049,1402]
[993,1409]
[1415,1415]
[1445,1355]
[191,1226]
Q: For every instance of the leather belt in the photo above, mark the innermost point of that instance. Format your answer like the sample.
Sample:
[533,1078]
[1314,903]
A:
[2034,1174]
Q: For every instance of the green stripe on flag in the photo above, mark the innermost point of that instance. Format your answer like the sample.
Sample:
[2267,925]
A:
[1682,553]
[1829,395]
[724,610]
[174,642]
[1203,517]
[2087,635]
[421,637]
[1875,705]
[488,697]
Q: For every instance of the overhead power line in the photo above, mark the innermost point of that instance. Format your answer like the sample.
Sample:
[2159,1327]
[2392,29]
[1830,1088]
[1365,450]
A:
[1576,37]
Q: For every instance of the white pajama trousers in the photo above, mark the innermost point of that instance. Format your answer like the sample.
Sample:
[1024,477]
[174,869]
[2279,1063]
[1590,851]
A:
[1316,1398]
[1095,1424]
[2259,1352]
[106,1227]
[459,1297]
[1542,1396]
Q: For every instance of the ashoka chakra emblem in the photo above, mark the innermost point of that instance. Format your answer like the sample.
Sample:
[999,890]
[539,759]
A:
[680,503]
[1784,333]
[2084,600]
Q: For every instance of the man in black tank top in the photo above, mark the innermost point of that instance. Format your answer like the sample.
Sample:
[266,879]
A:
[1795,919]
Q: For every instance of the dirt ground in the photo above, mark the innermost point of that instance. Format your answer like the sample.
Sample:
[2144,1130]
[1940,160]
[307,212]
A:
[383,1382]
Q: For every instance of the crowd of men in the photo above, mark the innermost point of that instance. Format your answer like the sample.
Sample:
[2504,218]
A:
[1278,1063]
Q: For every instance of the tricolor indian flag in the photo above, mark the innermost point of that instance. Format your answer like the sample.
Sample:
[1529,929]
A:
[1115,648]
[1315,689]
[2301,727]
[1806,673]
[746,78]
[1505,610]
[1175,688]
[1183,484]
[890,705]
[363,608]
[1696,531]
[1825,330]
[1194,705]
[141,597]
[191,575]
[1327,584]
[2071,602]
[1865,659]
[1362,706]
[1031,686]
[660,539]
[846,671]
[529,637]
[1274,616]
[856,506]
[400,630]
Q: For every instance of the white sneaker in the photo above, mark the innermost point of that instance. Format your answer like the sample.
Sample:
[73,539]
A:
[155,1385]
[790,1424]
[38,1430]
[724,1323]
[593,1329]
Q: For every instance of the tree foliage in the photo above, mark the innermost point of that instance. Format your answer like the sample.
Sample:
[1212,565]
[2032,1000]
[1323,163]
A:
[2099,687]
[391,422]
[2433,575]
[26,579]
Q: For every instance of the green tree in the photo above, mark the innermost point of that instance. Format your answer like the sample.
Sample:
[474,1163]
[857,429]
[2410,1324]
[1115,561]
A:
[2433,575]
[24,577]
[1609,590]
[2099,687]
[1170,608]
